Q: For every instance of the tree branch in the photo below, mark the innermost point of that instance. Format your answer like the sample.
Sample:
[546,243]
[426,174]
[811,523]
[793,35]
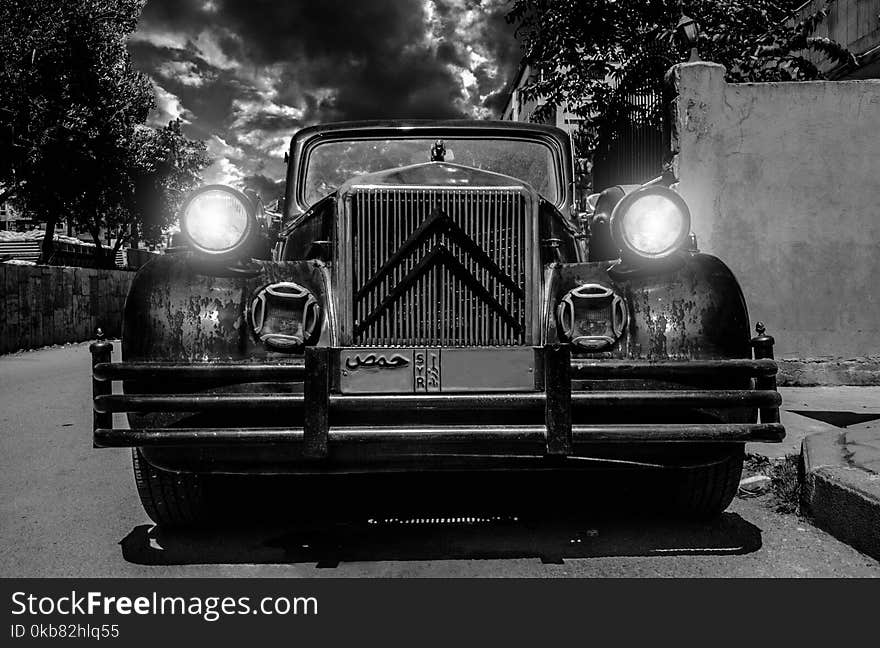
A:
[6,194]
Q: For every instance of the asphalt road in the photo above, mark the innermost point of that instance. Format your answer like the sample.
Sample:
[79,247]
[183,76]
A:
[70,510]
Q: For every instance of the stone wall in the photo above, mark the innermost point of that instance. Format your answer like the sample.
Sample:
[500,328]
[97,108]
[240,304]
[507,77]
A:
[42,305]
[783,181]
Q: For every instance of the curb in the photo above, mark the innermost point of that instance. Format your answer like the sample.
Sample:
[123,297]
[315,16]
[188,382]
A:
[811,372]
[842,499]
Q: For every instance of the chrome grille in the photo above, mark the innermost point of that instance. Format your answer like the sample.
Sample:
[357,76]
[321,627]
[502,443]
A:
[446,267]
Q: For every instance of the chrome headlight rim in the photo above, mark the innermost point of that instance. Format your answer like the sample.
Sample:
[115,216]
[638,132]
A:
[629,251]
[241,246]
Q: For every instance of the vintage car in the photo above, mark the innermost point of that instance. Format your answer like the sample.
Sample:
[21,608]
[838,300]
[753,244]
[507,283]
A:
[433,300]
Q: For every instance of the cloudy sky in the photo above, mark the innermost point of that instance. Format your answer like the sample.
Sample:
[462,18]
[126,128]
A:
[244,75]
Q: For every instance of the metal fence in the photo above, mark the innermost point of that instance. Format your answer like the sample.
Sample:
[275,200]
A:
[632,146]
[71,254]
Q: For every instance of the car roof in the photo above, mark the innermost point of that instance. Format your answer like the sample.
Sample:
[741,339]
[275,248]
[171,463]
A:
[418,125]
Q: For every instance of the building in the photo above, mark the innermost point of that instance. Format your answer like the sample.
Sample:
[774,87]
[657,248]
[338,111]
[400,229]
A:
[8,216]
[518,108]
[15,221]
[635,151]
[854,24]
[631,154]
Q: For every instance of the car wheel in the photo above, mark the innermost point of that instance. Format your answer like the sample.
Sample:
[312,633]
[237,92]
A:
[171,499]
[704,492]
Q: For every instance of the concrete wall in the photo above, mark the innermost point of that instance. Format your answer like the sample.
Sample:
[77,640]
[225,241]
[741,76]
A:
[42,305]
[783,180]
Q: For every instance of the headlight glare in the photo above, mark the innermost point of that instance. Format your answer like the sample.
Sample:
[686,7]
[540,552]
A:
[652,222]
[216,219]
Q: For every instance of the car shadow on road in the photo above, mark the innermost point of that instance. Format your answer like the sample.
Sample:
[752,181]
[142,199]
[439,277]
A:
[535,522]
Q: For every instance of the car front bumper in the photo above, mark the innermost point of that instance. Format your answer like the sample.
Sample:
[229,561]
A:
[566,418]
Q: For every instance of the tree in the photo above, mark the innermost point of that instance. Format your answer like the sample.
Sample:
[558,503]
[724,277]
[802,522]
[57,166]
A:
[72,109]
[589,54]
[167,169]
[157,170]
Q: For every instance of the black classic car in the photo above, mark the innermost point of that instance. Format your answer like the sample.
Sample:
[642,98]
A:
[431,299]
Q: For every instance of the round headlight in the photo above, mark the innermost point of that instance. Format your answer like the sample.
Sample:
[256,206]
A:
[216,219]
[652,222]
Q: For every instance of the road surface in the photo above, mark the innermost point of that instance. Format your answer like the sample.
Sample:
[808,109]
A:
[71,511]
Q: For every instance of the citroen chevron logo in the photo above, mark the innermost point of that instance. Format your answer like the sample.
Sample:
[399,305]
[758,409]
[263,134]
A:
[439,223]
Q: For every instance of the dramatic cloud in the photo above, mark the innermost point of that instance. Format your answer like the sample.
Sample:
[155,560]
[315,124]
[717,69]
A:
[245,75]
[184,72]
[168,108]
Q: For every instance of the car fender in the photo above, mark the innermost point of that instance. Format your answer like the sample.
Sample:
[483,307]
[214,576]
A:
[176,310]
[690,309]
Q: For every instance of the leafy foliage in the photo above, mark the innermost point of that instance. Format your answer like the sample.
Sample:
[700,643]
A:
[162,166]
[589,54]
[72,109]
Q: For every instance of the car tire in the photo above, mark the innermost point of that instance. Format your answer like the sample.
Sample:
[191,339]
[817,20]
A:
[171,499]
[704,492]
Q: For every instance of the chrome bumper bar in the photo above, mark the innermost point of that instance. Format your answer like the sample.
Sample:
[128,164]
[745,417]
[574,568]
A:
[557,436]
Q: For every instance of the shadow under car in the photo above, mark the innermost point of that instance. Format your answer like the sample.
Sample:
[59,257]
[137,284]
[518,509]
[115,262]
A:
[427,517]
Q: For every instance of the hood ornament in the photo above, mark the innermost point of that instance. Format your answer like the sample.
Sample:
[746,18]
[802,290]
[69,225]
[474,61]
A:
[438,151]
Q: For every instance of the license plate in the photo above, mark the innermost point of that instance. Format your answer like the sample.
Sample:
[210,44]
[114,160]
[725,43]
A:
[432,369]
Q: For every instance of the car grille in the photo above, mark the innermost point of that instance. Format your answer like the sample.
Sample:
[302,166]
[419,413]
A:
[446,267]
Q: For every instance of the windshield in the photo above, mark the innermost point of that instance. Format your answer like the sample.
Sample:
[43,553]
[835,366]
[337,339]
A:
[332,163]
